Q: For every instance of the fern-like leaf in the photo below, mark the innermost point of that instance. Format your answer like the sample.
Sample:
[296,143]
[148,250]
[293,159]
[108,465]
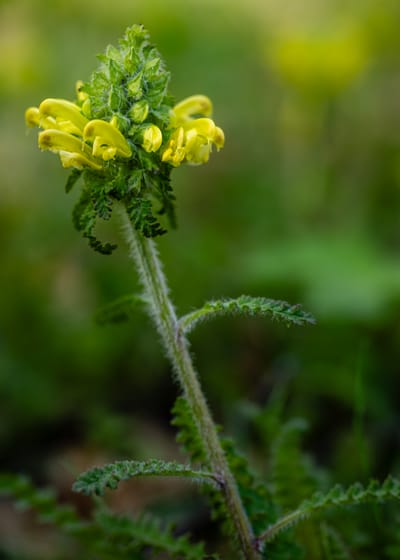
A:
[332,544]
[131,536]
[188,434]
[337,497]
[26,496]
[392,550]
[96,480]
[85,215]
[247,305]
[119,310]
[292,474]
[141,214]
[107,535]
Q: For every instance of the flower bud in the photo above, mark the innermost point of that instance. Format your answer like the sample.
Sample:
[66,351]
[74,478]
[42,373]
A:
[152,138]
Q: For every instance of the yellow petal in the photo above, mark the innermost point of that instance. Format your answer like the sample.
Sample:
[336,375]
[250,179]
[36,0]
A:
[197,148]
[79,161]
[219,138]
[81,95]
[58,140]
[191,106]
[173,156]
[73,152]
[103,150]
[32,116]
[203,126]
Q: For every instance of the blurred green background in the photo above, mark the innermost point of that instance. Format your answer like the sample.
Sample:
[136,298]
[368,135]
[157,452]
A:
[302,204]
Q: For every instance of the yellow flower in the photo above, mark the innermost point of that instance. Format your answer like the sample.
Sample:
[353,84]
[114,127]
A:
[108,141]
[189,107]
[78,141]
[194,133]
[73,151]
[67,115]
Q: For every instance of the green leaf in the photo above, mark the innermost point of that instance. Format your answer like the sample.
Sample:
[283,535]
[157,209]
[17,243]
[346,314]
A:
[26,496]
[248,305]
[336,497]
[107,535]
[292,474]
[72,179]
[140,213]
[85,215]
[119,310]
[96,480]
[332,544]
[188,434]
[131,536]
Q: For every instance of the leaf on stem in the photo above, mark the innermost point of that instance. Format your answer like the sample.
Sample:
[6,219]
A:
[96,480]
[336,497]
[248,305]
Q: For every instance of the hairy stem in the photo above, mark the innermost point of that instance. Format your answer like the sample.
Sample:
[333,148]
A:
[144,253]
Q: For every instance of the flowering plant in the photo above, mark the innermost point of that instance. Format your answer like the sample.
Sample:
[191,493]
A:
[123,135]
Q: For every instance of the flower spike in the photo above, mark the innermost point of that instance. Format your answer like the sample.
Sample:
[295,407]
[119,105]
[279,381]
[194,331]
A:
[125,136]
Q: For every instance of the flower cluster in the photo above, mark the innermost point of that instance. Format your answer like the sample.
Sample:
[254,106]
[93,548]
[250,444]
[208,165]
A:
[123,136]
[81,142]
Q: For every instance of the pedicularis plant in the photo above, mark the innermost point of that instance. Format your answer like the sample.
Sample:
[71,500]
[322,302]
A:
[123,136]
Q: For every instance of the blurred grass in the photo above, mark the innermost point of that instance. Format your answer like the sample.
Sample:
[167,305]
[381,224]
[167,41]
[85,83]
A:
[302,204]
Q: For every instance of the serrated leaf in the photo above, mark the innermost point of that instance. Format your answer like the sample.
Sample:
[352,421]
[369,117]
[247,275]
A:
[248,305]
[96,480]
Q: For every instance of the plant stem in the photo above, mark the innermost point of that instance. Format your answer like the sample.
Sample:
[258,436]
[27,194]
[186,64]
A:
[145,256]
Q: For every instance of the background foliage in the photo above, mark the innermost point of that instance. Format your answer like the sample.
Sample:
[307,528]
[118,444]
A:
[301,205]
